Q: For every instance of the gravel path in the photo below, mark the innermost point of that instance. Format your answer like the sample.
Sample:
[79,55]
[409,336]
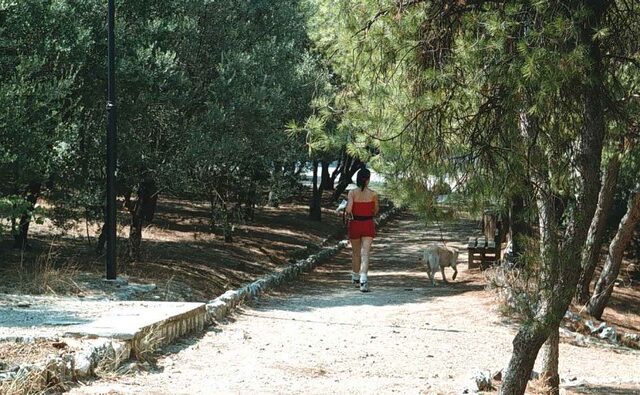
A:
[321,335]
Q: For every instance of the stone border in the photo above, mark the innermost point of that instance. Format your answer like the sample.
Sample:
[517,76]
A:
[57,370]
[224,304]
[111,353]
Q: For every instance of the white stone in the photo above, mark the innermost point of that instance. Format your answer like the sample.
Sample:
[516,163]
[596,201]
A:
[482,380]
[609,333]
[82,365]
[121,350]
[593,328]
[571,316]
[581,340]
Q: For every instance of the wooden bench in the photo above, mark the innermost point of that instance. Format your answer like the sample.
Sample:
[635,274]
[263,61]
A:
[483,252]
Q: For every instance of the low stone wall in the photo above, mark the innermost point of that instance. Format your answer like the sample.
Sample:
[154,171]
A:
[165,332]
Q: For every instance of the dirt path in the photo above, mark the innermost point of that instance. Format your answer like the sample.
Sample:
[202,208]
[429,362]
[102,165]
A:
[321,335]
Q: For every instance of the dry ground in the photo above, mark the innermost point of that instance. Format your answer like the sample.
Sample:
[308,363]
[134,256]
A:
[447,328]
[321,335]
[180,254]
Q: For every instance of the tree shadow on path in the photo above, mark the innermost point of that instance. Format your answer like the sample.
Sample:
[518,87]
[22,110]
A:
[396,276]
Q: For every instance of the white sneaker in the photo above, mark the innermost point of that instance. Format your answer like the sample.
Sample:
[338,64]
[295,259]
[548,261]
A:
[355,279]
[364,286]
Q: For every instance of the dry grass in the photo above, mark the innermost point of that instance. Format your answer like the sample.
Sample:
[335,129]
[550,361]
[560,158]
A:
[44,276]
[12,354]
[110,362]
[539,387]
[144,349]
[515,289]
[27,382]
[33,381]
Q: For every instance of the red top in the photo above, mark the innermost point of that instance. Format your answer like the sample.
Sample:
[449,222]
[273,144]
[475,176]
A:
[363,209]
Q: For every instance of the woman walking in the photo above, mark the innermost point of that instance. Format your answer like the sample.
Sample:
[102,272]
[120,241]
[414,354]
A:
[362,206]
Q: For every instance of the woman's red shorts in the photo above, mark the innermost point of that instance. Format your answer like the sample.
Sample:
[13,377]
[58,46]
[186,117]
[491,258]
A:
[358,229]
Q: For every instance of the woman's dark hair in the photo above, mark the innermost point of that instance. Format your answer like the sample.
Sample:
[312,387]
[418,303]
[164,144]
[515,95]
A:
[363,176]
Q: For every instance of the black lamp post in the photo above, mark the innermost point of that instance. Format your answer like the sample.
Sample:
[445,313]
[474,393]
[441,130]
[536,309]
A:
[110,219]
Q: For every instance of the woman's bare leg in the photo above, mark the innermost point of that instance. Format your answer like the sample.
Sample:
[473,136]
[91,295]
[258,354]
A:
[356,246]
[366,252]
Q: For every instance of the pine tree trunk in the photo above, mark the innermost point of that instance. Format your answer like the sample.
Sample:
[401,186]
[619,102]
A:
[250,204]
[227,229]
[212,212]
[604,286]
[520,227]
[526,344]
[327,182]
[556,298]
[102,240]
[135,237]
[31,196]
[346,178]
[142,210]
[550,357]
[274,190]
[548,223]
[315,206]
[591,252]
[339,169]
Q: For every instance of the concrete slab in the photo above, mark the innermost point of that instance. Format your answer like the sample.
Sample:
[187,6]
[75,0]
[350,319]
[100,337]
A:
[47,316]
[128,319]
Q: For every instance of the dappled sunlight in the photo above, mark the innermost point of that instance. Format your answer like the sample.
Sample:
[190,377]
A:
[396,276]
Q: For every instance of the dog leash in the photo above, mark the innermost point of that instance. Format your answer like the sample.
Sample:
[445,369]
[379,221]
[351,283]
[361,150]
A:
[441,233]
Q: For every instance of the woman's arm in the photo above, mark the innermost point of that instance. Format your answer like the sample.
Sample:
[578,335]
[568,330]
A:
[349,202]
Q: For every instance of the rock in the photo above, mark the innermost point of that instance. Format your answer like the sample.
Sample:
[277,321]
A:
[534,375]
[217,308]
[572,316]
[121,351]
[82,365]
[482,380]
[581,340]
[118,282]
[631,337]
[7,376]
[609,333]
[595,329]
[56,369]
[59,345]
[129,368]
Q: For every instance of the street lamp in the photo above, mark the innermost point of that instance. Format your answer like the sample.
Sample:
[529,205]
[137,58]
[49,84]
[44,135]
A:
[110,219]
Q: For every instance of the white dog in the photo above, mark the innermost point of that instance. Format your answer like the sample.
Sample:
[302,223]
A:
[437,258]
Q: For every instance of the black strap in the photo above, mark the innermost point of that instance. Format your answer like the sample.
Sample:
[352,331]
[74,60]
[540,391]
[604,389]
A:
[362,218]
